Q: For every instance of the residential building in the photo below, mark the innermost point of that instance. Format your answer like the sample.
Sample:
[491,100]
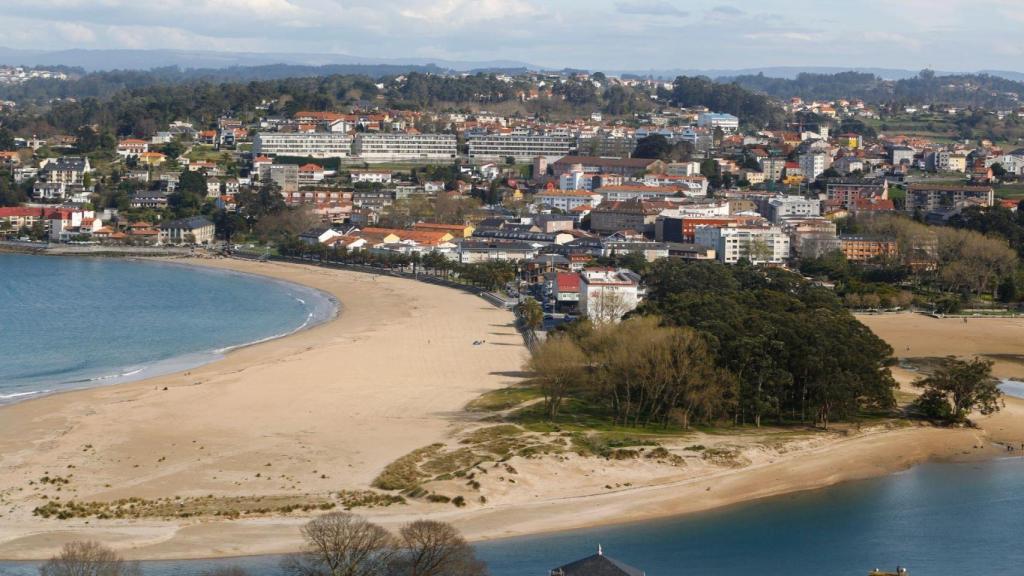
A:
[928,197]
[195,230]
[902,155]
[614,216]
[859,248]
[314,144]
[777,208]
[130,147]
[286,176]
[846,191]
[153,199]
[812,164]
[398,147]
[759,245]
[639,192]
[567,200]
[520,147]
[371,176]
[471,251]
[310,174]
[69,170]
[606,295]
[621,166]
[727,122]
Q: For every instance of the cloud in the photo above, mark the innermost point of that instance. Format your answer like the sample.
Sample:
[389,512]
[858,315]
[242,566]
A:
[75,33]
[462,12]
[728,10]
[650,8]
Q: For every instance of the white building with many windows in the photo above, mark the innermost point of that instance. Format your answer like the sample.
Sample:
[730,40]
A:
[759,245]
[521,147]
[727,122]
[567,200]
[397,147]
[315,144]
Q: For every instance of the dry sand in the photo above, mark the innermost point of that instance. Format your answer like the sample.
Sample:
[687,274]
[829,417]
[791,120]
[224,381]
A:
[328,408]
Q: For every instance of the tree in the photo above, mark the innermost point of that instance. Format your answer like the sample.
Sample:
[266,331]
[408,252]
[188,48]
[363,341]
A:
[342,544]
[558,366]
[655,147]
[88,559]
[431,548]
[532,314]
[958,388]
[189,194]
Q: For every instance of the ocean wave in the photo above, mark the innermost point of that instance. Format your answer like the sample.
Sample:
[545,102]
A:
[14,395]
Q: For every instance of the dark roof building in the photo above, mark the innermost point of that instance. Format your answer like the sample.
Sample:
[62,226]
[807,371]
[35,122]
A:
[596,565]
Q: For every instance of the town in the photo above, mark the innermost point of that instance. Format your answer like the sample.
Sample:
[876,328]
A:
[559,197]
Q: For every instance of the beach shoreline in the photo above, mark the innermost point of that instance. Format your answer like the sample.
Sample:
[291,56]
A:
[393,372]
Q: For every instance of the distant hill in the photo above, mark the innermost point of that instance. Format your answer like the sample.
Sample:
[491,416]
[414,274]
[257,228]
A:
[960,90]
[104,60]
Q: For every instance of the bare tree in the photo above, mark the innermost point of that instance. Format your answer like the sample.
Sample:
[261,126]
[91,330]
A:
[430,548]
[88,559]
[342,544]
[559,365]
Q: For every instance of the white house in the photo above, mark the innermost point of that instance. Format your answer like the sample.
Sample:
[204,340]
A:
[606,295]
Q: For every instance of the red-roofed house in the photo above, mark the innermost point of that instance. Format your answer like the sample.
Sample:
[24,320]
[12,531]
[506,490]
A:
[132,147]
[310,174]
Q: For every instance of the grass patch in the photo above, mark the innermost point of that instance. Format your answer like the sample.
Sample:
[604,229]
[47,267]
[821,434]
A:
[498,400]
[213,506]
[404,473]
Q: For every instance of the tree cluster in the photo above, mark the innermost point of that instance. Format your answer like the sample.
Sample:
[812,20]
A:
[722,342]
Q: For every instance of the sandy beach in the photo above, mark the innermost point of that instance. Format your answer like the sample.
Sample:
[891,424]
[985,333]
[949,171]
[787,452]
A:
[328,408]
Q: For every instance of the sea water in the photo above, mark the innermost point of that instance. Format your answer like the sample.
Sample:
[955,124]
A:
[70,322]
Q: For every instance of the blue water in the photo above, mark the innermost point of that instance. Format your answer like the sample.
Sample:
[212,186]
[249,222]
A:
[936,519]
[79,322]
[1013,388]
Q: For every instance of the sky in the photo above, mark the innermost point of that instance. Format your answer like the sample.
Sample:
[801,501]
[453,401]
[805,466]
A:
[949,35]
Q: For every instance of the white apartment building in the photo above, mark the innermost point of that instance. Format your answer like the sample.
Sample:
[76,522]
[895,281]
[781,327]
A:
[315,144]
[813,164]
[727,122]
[521,147]
[781,207]
[576,180]
[397,147]
[759,245]
[371,176]
[567,200]
[607,295]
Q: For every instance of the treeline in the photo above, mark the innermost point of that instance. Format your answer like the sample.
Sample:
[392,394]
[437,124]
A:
[492,275]
[716,343]
[947,267]
[961,90]
[105,84]
[143,110]
[753,109]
